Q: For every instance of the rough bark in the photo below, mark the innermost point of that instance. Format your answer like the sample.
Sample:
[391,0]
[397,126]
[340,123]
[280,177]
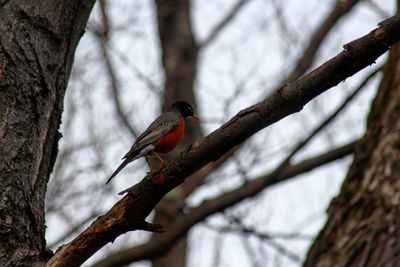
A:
[37,45]
[129,213]
[362,228]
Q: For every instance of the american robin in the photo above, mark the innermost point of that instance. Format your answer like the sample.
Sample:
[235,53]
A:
[162,136]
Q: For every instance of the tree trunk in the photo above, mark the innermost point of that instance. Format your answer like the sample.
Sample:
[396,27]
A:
[363,224]
[37,45]
[179,59]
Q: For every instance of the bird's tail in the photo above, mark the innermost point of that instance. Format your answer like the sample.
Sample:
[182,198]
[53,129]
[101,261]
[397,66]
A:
[130,156]
[120,167]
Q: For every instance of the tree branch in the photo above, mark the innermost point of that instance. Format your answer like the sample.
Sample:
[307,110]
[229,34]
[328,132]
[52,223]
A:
[223,23]
[185,221]
[129,213]
[340,9]
[304,62]
[198,177]
[241,228]
[327,120]
[73,230]
[102,38]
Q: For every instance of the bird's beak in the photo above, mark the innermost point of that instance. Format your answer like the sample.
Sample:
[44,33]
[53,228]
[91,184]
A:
[195,117]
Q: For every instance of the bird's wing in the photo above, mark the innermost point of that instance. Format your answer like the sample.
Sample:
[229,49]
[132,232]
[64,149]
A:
[163,125]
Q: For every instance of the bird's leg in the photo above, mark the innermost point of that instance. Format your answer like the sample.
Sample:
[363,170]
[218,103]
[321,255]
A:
[162,161]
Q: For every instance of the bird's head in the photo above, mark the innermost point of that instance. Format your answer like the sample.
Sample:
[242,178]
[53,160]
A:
[185,109]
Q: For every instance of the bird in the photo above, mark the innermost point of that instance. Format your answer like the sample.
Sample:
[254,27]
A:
[162,135]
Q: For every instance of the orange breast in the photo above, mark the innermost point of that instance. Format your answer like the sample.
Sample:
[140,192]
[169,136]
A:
[172,139]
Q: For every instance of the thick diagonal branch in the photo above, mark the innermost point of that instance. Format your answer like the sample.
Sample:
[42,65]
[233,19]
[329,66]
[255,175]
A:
[185,221]
[129,213]
[304,62]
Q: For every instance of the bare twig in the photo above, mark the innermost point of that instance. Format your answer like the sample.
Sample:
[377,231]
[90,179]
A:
[245,230]
[307,57]
[102,37]
[184,222]
[135,70]
[378,9]
[73,230]
[129,213]
[327,120]
[224,22]
[266,235]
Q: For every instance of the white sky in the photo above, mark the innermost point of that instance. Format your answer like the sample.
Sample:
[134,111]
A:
[253,54]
